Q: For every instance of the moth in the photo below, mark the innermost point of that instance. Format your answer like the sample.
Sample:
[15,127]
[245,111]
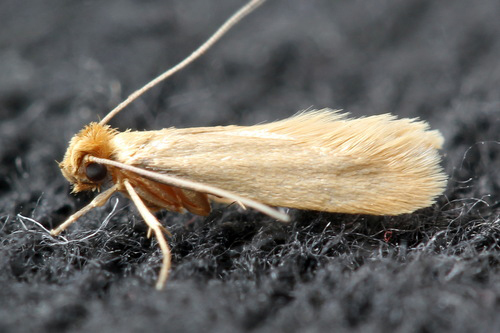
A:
[316,160]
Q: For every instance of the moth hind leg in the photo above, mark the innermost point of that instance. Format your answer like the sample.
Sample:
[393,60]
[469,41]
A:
[227,201]
[194,202]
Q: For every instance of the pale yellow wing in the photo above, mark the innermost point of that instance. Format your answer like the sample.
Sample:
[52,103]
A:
[316,160]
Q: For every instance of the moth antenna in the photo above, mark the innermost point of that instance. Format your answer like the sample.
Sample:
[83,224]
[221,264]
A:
[198,187]
[232,21]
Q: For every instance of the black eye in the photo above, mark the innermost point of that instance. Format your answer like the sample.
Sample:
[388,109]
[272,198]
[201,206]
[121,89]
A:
[96,172]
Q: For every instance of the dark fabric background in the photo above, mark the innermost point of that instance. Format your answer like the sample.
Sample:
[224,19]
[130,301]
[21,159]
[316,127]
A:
[66,63]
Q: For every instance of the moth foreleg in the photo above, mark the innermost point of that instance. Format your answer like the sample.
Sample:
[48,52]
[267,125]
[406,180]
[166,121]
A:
[98,201]
[158,229]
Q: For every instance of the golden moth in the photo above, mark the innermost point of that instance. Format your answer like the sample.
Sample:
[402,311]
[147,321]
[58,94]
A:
[315,160]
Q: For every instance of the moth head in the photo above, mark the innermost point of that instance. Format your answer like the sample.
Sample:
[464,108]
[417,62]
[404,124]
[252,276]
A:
[94,140]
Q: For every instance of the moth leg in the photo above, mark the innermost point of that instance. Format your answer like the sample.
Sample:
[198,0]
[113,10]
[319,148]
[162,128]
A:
[98,201]
[165,231]
[197,187]
[227,201]
[241,205]
[158,229]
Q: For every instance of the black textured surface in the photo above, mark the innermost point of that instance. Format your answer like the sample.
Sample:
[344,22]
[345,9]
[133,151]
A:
[64,64]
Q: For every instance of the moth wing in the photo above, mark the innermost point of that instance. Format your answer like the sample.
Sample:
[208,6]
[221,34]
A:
[317,160]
